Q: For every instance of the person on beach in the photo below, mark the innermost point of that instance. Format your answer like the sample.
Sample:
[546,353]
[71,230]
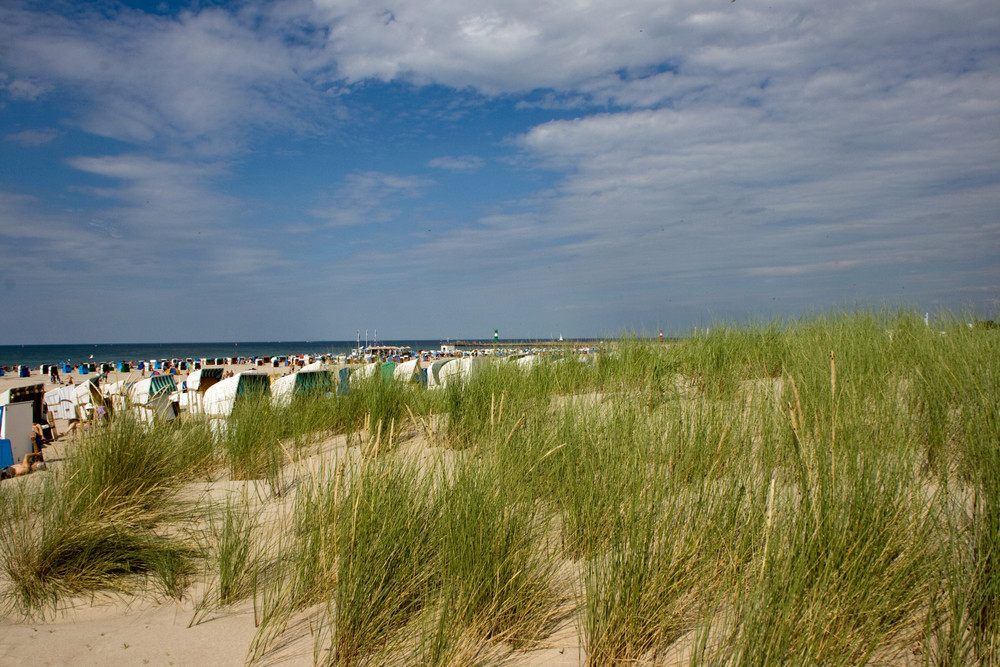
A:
[24,467]
[54,374]
[51,421]
[75,425]
[39,437]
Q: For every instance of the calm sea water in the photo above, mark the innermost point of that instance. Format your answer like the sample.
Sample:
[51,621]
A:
[36,355]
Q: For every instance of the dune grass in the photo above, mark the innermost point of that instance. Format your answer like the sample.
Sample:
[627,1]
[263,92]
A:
[384,544]
[377,409]
[235,547]
[811,491]
[490,401]
[98,523]
[252,441]
[844,572]
[498,580]
[447,560]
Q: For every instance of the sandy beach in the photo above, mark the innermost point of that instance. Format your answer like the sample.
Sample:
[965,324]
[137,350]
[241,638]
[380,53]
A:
[114,631]
[135,631]
[660,504]
[150,630]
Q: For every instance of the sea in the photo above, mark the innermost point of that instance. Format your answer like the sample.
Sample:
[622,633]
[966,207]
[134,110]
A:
[34,356]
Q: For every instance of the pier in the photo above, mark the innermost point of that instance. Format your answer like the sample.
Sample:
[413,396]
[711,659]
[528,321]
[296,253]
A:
[527,344]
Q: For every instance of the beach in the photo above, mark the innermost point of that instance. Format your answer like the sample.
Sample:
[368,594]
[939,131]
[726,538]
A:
[11,379]
[732,494]
[140,629]
[115,630]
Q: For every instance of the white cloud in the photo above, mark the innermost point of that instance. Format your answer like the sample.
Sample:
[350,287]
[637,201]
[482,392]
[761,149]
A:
[739,148]
[205,80]
[32,137]
[457,163]
[651,53]
[804,269]
[209,78]
[517,46]
[368,198]
[810,161]
[24,89]
[172,209]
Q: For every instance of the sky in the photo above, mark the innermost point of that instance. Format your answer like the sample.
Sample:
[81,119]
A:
[303,169]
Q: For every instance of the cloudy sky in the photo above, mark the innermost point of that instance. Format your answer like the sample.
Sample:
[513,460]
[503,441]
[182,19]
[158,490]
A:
[294,170]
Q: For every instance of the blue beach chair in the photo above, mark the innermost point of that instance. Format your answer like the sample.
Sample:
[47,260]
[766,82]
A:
[6,455]
[344,382]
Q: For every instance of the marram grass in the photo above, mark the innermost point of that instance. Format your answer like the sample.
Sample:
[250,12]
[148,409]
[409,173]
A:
[812,491]
[96,524]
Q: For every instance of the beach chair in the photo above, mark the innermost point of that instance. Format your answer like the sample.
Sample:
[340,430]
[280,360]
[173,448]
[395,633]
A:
[6,455]
[344,382]
[16,428]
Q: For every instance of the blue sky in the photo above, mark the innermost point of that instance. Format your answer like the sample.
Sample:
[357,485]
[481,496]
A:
[212,171]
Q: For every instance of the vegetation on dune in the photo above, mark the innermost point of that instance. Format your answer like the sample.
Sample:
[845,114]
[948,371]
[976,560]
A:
[96,524]
[812,491]
[497,578]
